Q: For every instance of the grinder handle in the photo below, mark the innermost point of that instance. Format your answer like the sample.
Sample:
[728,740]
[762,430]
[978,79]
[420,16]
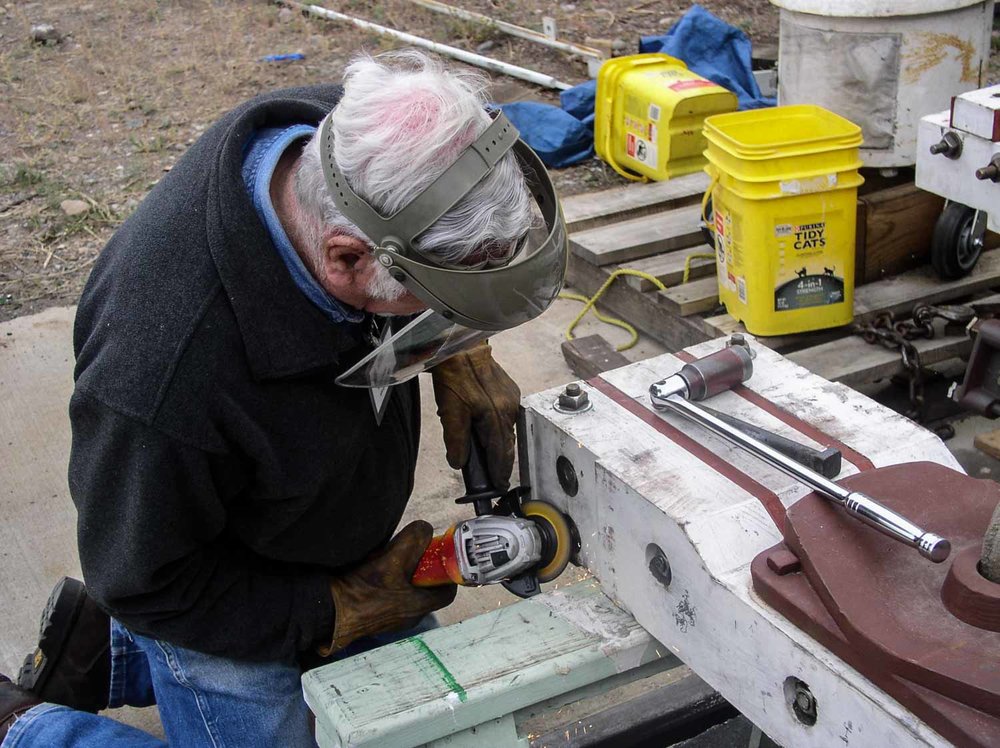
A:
[479,491]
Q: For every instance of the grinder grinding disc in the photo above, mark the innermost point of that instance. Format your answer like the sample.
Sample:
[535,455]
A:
[557,538]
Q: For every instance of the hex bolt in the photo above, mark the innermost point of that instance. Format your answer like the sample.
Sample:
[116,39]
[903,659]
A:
[804,701]
[991,171]
[573,399]
[737,338]
[659,567]
[801,700]
[950,146]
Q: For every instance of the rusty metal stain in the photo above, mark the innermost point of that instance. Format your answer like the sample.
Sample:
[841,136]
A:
[932,49]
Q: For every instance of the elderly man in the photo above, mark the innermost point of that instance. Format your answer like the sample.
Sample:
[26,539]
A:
[240,455]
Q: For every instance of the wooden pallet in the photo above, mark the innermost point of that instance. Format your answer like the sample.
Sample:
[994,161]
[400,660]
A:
[652,228]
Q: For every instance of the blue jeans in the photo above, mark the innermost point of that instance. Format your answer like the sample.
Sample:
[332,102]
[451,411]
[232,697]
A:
[203,700]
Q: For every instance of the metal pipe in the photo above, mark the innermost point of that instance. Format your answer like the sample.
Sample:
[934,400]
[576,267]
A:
[539,79]
[668,395]
[509,28]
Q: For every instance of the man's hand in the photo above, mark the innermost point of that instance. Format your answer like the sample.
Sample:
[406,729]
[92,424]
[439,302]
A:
[377,596]
[472,391]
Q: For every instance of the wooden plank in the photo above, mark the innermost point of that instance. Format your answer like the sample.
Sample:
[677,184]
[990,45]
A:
[922,286]
[898,294]
[853,361]
[639,237]
[593,209]
[691,298]
[640,309]
[669,268]
[670,713]
[449,679]
[988,443]
[590,355]
[898,225]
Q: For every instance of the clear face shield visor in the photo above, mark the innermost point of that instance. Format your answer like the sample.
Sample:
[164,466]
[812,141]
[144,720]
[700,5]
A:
[465,304]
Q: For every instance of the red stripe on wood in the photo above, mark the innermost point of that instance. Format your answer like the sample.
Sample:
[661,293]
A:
[857,459]
[765,495]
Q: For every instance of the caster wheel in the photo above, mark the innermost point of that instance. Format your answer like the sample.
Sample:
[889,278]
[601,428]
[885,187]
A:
[957,242]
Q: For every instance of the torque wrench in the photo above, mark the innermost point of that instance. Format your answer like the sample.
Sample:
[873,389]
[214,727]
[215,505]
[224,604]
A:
[723,369]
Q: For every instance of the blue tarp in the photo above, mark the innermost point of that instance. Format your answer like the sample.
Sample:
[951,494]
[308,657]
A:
[714,50]
[710,47]
[559,138]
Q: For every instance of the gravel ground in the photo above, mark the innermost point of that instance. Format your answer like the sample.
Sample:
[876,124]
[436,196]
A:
[98,116]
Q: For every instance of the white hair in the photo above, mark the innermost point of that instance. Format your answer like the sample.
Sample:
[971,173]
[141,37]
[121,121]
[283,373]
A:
[402,120]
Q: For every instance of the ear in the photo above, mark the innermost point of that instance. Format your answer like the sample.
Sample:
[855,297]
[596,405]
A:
[346,259]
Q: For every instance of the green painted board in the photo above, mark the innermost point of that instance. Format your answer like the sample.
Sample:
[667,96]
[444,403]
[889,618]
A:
[453,678]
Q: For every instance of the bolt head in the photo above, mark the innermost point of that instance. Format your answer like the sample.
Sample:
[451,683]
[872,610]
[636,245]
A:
[804,700]
[570,401]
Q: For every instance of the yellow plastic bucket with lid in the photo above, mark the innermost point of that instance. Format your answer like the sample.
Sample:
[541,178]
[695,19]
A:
[784,201]
[648,116]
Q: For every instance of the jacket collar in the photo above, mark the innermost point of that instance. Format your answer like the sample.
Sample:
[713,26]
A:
[284,334]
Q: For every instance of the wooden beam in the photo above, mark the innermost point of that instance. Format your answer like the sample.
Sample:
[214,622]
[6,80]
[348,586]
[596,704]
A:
[661,716]
[897,230]
[458,677]
[640,309]
[692,297]
[590,355]
[898,294]
[639,237]
[988,443]
[922,286]
[593,209]
[669,268]
[852,361]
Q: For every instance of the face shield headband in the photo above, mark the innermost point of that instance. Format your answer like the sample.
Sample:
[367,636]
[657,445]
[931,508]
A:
[480,298]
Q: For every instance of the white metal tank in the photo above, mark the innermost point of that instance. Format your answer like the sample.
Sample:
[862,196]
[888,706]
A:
[882,64]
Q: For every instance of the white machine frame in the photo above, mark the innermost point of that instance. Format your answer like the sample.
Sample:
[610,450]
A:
[638,490]
[955,178]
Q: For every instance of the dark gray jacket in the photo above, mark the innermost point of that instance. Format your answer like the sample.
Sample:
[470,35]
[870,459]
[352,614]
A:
[219,473]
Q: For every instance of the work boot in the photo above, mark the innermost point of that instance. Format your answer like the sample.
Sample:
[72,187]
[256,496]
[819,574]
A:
[72,663]
[14,702]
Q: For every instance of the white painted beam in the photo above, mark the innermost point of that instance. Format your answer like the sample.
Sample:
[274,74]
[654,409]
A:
[638,489]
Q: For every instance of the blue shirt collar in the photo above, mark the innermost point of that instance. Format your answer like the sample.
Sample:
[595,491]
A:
[259,162]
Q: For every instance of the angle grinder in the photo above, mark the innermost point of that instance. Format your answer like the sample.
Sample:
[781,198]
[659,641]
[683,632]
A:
[513,540]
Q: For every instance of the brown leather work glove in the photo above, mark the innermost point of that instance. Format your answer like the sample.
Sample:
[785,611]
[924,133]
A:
[377,596]
[472,390]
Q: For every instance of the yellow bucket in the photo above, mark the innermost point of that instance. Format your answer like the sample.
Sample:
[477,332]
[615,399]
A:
[649,113]
[784,200]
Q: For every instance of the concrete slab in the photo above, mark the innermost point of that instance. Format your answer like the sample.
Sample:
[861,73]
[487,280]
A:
[38,530]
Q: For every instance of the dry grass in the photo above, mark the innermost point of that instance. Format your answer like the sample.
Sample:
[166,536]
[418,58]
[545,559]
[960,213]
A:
[100,116]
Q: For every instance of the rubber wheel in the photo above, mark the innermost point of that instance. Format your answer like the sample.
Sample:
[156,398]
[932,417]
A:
[954,249]
[557,538]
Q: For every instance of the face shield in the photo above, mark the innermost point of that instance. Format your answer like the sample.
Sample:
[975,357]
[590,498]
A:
[465,304]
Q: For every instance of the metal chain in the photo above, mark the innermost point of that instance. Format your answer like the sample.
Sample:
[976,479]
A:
[886,331]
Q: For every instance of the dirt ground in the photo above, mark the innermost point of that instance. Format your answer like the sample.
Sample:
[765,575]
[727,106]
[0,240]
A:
[103,113]
[99,115]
